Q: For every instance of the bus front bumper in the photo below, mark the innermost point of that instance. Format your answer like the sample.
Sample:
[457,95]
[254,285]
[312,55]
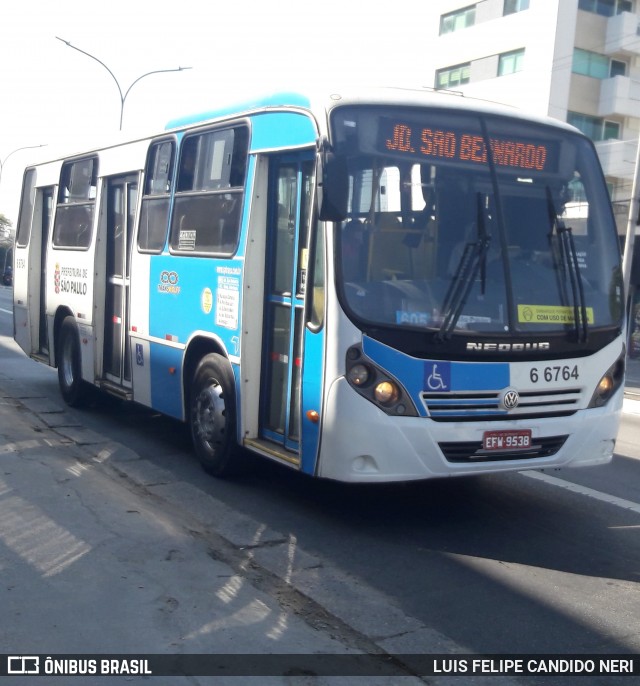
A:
[360,443]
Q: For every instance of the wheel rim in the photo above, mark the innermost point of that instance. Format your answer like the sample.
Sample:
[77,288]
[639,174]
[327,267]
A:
[209,415]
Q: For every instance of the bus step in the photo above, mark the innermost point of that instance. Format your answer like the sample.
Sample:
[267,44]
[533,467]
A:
[40,357]
[273,450]
[113,389]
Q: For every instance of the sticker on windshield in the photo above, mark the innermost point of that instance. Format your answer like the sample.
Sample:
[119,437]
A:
[412,318]
[550,314]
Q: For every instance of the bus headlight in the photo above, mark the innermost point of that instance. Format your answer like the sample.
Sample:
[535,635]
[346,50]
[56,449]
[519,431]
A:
[386,392]
[377,386]
[609,383]
[605,386]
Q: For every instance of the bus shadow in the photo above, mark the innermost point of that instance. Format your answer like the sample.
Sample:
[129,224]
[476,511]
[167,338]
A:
[473,556]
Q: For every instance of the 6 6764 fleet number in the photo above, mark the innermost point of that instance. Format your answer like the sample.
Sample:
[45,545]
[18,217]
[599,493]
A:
[554,373]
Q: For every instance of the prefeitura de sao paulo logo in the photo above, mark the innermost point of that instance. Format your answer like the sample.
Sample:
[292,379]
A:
[56,278]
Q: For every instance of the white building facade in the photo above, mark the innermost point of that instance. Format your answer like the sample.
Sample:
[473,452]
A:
[575,60]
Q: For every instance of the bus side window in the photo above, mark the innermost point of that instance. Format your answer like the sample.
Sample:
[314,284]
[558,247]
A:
[316,319]
[76,204]
[26,207]
[154,214]
[210,189]
[73,226]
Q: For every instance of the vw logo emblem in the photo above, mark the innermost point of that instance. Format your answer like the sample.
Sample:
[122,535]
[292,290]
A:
[510,399]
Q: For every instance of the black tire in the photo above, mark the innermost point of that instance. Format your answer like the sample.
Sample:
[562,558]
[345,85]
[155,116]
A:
[73,389]
[212,416]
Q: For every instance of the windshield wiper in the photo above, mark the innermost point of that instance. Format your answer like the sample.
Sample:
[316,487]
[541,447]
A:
[472,262]
[568,259]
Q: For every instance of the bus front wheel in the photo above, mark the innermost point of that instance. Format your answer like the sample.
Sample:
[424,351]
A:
[212,415]
[72,387]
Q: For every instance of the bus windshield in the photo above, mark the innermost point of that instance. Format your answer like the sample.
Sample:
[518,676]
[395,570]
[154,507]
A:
[442,236]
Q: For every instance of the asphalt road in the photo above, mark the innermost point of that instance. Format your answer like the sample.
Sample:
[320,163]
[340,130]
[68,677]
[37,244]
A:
[520,563]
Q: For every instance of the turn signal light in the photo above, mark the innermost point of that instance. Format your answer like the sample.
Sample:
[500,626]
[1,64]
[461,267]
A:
[359,374]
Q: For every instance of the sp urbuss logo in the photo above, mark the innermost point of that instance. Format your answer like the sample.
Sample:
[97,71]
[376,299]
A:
[508,347]
[169,282]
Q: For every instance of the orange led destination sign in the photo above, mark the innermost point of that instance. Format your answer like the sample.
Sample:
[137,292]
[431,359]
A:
[457,146]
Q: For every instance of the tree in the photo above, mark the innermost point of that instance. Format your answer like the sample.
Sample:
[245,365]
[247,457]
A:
[6,241]
[5,228]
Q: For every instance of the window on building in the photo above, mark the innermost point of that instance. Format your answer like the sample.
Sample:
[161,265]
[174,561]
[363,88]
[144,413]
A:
[511,62]
[596,65]
[451,77]
[606,8]
[610,129]
[513,6]
[617,68]
[596,128]
[590,63]
[460,19]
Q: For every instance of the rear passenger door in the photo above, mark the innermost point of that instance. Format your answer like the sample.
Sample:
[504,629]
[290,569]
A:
[122,192]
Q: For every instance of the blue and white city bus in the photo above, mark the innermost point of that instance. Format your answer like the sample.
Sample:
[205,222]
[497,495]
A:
[368,287]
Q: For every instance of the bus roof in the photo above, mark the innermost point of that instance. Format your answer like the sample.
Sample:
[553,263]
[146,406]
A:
[320,103]
[283,99]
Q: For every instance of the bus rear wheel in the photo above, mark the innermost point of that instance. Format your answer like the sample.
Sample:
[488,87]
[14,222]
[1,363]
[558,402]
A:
[73,389]
[212,416]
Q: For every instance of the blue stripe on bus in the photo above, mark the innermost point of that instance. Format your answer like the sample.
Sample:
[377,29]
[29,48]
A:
[419,376]
[188,294]
[166,390]
[274,100]
[313,374]
[288,128]
[479,376]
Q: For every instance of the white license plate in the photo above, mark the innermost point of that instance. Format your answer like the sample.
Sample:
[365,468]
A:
[512,439]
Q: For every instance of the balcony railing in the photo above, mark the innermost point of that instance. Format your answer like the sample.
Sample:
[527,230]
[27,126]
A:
[622,34]
[618,158]
[619,95]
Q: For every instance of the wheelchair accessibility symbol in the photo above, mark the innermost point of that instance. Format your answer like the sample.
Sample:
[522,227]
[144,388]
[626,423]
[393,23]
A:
[438,376]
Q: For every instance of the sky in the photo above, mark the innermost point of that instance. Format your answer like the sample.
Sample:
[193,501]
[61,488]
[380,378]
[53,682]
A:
[54,96]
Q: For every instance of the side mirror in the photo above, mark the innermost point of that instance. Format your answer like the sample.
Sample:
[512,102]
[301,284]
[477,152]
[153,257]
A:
[333,186]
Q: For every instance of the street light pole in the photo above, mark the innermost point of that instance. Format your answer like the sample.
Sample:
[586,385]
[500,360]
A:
[123,97]
[25,147]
